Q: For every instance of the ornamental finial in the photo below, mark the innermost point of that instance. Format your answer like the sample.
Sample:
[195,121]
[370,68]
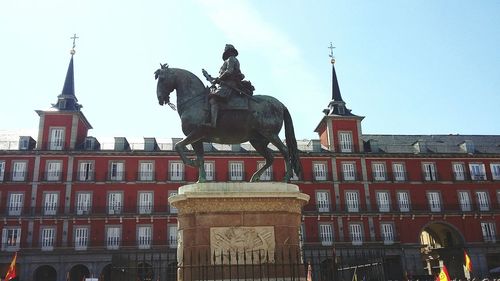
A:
[72,52]
[331,53]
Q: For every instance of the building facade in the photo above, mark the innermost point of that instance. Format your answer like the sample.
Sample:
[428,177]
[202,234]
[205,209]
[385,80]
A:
[72,207]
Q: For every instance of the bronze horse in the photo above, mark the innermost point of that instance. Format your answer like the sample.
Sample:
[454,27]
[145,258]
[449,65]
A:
[260,124]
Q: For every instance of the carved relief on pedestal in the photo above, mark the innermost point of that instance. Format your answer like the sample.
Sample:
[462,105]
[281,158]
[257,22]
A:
[247,244]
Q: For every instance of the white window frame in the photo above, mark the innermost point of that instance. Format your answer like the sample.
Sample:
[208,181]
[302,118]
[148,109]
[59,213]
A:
[146,170]
[2,170]
[379,171]
[115,203]
[320,171]
[145,204]
[489,231]
[209,170]
[47,238]
[495,171]
[53,170]
[345,141]
[383,201]
[349,171]
[11,238]
[464,201]
[144,236]
[459,171]
[116,171]
[352,201]
[16,204]
[326,234]
[172,209]
[483,201]
[323,201]
[356,233]
[19,170]
[81,238]
[236,171]
[387,233]
[399,171]
[57,138]
[176,171]
[267,175]
[477,171]
[113,237]
[86,171]
[83,203]
[404,203]
[429,170]
[434,200]
[50,203]
[172,232]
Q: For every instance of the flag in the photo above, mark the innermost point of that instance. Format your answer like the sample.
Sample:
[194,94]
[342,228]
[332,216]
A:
[443,275]
[309,272]
[11,273]
[468,262]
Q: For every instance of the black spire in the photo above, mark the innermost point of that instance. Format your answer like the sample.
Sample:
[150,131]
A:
[67,100]
[336,105]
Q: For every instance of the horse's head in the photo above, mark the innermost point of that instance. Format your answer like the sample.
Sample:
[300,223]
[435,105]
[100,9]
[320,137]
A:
[166,84]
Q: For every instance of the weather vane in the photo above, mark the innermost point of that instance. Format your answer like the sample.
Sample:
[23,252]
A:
[74,44]
[331,53]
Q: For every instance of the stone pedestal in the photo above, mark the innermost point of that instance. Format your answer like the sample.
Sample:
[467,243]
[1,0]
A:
[236,230]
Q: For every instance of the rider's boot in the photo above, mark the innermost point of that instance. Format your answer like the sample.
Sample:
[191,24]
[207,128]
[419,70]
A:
[214,110]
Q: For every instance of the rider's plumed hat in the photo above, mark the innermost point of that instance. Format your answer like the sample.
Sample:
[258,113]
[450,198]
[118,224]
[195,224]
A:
[227,50]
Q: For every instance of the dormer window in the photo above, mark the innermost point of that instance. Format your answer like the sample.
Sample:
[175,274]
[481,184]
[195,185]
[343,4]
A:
[345,140]
[56,140]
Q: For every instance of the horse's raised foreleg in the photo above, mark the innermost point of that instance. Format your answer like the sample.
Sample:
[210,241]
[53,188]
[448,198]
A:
[200,161]
[274,139]
[180,147]
[262,149]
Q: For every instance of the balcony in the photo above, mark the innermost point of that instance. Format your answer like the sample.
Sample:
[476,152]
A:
[176,175]
[53,176]
[236,176]
[19,176]
[115,176]
[146,176]
[56,145]
[379,176]
[351,177]
[85,176]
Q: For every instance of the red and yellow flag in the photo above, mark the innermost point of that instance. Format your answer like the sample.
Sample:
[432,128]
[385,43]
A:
[443,275]
[468,263]
[11,273]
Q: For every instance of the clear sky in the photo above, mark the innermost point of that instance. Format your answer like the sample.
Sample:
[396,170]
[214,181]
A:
[409,67]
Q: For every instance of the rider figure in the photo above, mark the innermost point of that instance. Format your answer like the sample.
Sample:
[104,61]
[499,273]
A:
[229,81]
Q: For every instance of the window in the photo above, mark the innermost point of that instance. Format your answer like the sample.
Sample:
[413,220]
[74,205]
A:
[464,200]
[236,171]
[477,172]
[56,141]
[319,170]
[116,171]
[144,237]
[86,172]
[83,203]
[482,201]
[19,171]
[146,171]
[434,201]
[398,169]
[115,203]
[345,141]
[383,201]
[267,175]
[429,171]
[302,233]
[356,232]
[2,170]
[172,236]
[11,239]
[387,231]
[173,210]
[326,234]
[352,201]
[113,237]
[495,171]
[15,204]
[209,171]
[53,171]
[378,171]
[81,238]
[50,204]
[403,201]
[47,239]
[145,202]
[176,171]
[489,233]
[459,171]
[348,172]
[323,201]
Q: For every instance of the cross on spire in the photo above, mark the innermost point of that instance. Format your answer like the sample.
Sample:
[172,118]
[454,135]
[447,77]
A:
[331,53]
[74,43]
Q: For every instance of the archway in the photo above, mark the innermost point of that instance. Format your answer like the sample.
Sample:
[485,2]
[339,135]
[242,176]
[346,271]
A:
[441,243]
[106,273]
[45,273]
[79,272]
[145,272]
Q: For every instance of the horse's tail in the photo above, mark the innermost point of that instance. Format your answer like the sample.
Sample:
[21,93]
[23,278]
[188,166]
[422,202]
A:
[291,143]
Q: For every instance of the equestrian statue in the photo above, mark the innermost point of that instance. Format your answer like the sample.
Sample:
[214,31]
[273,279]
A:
[227,112]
